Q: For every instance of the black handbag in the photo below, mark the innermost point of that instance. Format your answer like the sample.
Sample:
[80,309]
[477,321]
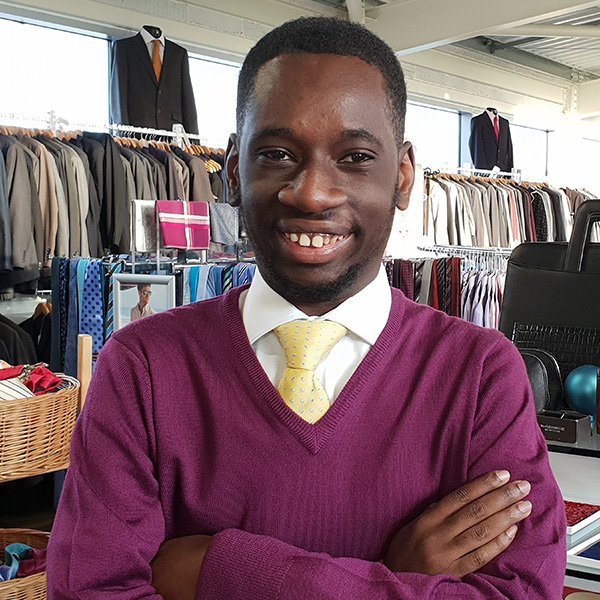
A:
[555,283]
[544,377]
[570,346]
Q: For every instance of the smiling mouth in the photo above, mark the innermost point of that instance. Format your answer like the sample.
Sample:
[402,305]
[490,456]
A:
[314,240]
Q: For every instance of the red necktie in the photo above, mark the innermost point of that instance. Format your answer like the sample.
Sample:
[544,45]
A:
[496,127]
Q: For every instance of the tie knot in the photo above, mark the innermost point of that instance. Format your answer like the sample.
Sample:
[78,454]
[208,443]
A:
[305,343]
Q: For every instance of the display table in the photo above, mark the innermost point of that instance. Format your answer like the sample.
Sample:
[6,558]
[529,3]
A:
[577,471]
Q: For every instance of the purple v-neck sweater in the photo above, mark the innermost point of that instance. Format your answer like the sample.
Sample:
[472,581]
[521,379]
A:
[183,433]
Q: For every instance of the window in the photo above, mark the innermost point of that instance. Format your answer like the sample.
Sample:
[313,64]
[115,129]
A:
[55,71]
[215,90]
[573,160]
[434,133]
[530,152]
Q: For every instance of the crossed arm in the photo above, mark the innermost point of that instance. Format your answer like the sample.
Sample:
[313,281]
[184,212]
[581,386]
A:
[456,536]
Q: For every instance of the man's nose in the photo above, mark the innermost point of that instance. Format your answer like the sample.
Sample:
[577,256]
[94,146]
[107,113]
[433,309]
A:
[314,189]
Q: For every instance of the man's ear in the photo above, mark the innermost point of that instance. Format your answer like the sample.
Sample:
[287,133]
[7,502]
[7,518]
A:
[232,159]
[406,175]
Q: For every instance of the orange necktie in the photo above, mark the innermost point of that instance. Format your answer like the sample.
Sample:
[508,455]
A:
[156,62]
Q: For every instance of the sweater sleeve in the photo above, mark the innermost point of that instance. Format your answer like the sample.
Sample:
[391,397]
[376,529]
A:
[241,565]
[109,524]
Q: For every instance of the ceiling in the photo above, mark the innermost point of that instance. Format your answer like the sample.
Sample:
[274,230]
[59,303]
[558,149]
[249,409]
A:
[578,56]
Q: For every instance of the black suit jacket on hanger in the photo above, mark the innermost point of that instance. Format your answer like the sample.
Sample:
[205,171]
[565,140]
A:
[486,151]
[136,98]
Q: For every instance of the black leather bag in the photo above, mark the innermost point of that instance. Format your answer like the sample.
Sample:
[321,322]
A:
[555,283]
[544,377]
[570,346]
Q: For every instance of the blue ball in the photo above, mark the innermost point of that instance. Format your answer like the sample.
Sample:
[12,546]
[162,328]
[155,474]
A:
[580,389]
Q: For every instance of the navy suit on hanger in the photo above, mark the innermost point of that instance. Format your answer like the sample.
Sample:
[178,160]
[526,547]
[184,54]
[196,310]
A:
[486,150]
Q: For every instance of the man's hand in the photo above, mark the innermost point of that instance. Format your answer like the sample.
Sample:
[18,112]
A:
[176,567]
[464,531]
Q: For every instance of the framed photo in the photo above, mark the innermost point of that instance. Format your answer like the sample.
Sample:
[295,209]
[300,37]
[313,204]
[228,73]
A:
[139,296]
[586,555]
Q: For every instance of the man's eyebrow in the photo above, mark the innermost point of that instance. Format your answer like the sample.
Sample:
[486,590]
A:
[361,134]
[282,132]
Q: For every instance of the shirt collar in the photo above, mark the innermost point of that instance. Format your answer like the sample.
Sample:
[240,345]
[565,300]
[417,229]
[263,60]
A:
[364,314]
[148,38]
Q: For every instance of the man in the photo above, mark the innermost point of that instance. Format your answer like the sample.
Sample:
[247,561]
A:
[396,469]
[142,308]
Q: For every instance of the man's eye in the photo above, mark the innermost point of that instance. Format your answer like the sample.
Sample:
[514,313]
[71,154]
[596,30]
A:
[357,158]
[277,155]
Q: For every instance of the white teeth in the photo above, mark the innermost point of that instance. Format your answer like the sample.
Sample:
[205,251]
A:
[316,240]
[304,240]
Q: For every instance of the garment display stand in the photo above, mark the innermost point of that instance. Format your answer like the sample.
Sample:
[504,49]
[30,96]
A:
[485,258]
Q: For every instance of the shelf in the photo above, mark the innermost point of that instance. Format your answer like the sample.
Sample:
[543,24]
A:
[588,447]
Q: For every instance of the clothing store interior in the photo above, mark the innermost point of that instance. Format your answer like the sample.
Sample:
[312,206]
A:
[118,203]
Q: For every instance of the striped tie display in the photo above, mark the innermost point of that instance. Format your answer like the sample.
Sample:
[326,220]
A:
[227,278]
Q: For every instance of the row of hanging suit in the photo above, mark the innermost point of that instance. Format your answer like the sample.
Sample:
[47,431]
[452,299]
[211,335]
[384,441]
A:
[485,212]
[70,196]
[459,287]
[83,298]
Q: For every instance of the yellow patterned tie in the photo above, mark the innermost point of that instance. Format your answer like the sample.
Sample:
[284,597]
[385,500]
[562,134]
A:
[305,343]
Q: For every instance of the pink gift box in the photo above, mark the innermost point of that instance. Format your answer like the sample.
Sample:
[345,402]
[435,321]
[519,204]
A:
[184,225]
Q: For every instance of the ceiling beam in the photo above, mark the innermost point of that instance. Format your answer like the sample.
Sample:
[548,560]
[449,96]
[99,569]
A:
[566,31]
[356,10]
[411,26]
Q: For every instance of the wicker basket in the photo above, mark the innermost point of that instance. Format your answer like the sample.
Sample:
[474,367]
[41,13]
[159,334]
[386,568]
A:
[27,588]
[35,433]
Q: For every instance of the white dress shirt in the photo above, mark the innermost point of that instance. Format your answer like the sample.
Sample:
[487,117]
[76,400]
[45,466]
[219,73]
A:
[149,38]
[364,316]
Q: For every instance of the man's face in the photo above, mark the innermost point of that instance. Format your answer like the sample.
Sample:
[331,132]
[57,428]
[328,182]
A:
[319,174]
[145,293]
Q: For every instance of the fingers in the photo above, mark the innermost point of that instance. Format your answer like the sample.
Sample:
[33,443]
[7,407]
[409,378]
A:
[469,493]
[500,521]
[478,558]
[488,505]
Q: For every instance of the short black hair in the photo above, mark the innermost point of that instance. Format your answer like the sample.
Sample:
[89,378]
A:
[325,35]
[141,286]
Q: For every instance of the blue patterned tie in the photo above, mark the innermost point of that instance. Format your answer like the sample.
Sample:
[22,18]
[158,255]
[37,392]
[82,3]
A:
[72,322]
[243,274]
[92,307]
[63,298]
[82,266]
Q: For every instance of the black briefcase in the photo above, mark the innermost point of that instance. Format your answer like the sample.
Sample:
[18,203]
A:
[555,283]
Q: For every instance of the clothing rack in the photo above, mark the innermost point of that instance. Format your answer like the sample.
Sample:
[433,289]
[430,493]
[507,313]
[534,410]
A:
[515,174]
[481,258]
[178,133]
[57,123]
[50,120]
